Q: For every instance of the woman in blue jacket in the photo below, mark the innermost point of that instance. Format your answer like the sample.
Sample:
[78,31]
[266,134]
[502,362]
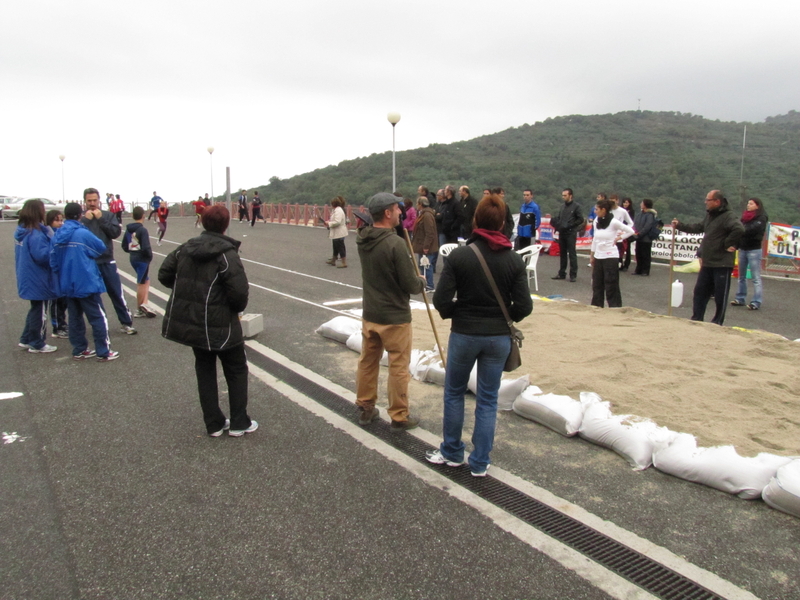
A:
[35,281]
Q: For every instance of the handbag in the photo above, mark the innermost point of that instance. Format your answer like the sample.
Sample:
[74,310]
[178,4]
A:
[514,360]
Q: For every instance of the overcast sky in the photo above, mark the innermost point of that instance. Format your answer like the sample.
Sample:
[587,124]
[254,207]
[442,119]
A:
[134,93]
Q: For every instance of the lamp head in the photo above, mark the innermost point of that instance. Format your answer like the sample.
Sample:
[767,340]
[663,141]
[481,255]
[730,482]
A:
[394,118]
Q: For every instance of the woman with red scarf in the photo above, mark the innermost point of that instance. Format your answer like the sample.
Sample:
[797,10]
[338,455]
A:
[479,331]
[755,222]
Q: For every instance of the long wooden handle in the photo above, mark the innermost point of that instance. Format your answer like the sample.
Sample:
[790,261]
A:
[425,297]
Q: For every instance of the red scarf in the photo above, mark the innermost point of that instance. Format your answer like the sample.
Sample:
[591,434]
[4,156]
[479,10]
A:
[749,215]
[496,239]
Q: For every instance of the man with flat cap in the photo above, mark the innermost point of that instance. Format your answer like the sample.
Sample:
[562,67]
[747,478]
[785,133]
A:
[389,277]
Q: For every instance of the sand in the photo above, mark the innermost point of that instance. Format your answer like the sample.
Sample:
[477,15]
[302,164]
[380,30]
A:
[723,385]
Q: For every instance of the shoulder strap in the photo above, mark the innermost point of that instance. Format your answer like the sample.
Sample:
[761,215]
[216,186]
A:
[492,283]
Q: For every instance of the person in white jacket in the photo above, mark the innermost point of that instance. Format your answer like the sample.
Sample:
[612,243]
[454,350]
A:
[337,231]
[608,232]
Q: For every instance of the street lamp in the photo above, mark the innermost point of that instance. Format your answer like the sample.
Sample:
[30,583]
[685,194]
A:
[393,118]
[62,157]
[211,163]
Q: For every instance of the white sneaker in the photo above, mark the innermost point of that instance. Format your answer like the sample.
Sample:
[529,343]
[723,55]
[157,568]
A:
[480,473]
[225,427]
[23,346]
[436,457]
[44,349]
[128,330]
[241,432]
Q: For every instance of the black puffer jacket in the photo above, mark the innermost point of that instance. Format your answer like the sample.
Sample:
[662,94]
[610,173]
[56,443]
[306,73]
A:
[721,230]
[754,232]
[209,290]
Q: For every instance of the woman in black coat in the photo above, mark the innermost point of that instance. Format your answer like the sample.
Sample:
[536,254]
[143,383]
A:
[209,290]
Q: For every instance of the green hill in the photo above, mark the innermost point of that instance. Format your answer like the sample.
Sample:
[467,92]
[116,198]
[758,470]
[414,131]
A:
[672,158]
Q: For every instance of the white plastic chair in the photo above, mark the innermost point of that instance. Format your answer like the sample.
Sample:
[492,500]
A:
[531,256]
[446,249]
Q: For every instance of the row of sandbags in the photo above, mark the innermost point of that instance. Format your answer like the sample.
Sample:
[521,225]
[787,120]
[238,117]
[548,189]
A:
[640,441]
[643,443]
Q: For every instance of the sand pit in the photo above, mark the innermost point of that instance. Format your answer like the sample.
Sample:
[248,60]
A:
[723,385]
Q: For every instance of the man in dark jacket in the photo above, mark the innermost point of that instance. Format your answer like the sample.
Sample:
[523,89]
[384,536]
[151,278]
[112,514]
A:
[722,231]
[209,290]
[451,216]
[389,277]
[643,225]
[567,223]
[103,224]
[468,206]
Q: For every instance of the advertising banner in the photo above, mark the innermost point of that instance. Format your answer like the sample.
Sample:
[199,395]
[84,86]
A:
[686,245]
[783,241]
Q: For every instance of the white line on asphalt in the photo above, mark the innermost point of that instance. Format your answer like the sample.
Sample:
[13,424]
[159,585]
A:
[266,289]
[348,301]
[569,558]
[355,287]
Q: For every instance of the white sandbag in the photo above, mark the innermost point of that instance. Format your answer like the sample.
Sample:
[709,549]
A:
[627,435]
[562,414]
[435,373]
[356,341]
[339,328]
[426,366]
[783,490]
[509,388]
[720,467]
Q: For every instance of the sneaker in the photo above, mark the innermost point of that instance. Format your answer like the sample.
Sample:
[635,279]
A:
[139,313]
[481,473]
[148,312]
[158,242]
[85,354]
[128,330]
[736,303]
[241,432]
[368,416]
[225,427]
[409,423]
[753,306]
[24,346]
[112,355]
[43,350]
[559,277]
[61,333]
[436,457]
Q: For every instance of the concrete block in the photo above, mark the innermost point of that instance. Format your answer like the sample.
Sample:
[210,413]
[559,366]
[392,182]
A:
[252,324]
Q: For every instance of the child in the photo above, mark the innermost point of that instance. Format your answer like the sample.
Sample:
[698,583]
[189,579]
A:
[199,207]
[58,307]
[163,213]
[136,242]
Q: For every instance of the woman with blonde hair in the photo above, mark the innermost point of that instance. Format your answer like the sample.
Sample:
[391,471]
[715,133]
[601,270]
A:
[337,231]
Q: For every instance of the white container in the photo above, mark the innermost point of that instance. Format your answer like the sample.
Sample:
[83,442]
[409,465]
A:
[252,324]
[677,293]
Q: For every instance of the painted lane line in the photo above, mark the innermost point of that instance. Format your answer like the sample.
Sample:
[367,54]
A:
[10,395]
[153,290]
[338,302]
[599,576]
[660,554]
[303,300]
[290,271]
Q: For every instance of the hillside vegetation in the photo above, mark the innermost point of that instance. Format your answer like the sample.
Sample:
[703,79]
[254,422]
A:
[672,158]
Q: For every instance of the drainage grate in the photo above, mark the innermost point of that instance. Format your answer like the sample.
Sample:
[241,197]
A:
[634,566]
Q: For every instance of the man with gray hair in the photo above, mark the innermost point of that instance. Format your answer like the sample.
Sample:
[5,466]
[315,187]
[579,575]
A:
[389,277]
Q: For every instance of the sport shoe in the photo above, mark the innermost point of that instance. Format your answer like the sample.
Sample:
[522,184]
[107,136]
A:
[148,312]
[241,432]
[112,355]
[436,457]
[127,329]
[481,473]
[85,354]
[43,350]
[139,313]
[409,423]
[61,333]
[24,346]
[368,416]
[225,427]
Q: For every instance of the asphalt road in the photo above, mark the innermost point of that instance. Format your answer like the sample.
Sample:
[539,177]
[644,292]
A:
[114,491]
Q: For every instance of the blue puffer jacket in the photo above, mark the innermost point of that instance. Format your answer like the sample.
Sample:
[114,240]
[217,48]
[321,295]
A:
[72,259]
[35,280]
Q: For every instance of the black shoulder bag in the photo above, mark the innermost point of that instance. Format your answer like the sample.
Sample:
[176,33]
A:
[514,359]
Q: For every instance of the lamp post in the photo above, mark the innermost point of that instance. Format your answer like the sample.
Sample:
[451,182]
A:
[211,164]
[393,118]
[62,157]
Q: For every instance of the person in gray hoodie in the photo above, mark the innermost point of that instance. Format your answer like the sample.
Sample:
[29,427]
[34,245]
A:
[389,277]
[722,231]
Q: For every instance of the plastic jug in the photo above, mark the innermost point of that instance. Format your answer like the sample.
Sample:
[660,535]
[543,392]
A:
[677,293]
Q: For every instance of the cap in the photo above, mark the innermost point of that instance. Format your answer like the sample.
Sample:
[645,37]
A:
[382,201]
[73,211]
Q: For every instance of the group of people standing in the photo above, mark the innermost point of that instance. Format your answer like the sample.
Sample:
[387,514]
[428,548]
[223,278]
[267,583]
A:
[64,263]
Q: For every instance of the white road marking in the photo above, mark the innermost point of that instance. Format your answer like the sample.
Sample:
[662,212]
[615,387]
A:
[593,572]
[338,302]
[355,287]
[10,395]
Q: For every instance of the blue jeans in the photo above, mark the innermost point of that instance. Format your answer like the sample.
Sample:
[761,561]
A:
[751,258]
[428,271]
[35,332]
[491,352]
